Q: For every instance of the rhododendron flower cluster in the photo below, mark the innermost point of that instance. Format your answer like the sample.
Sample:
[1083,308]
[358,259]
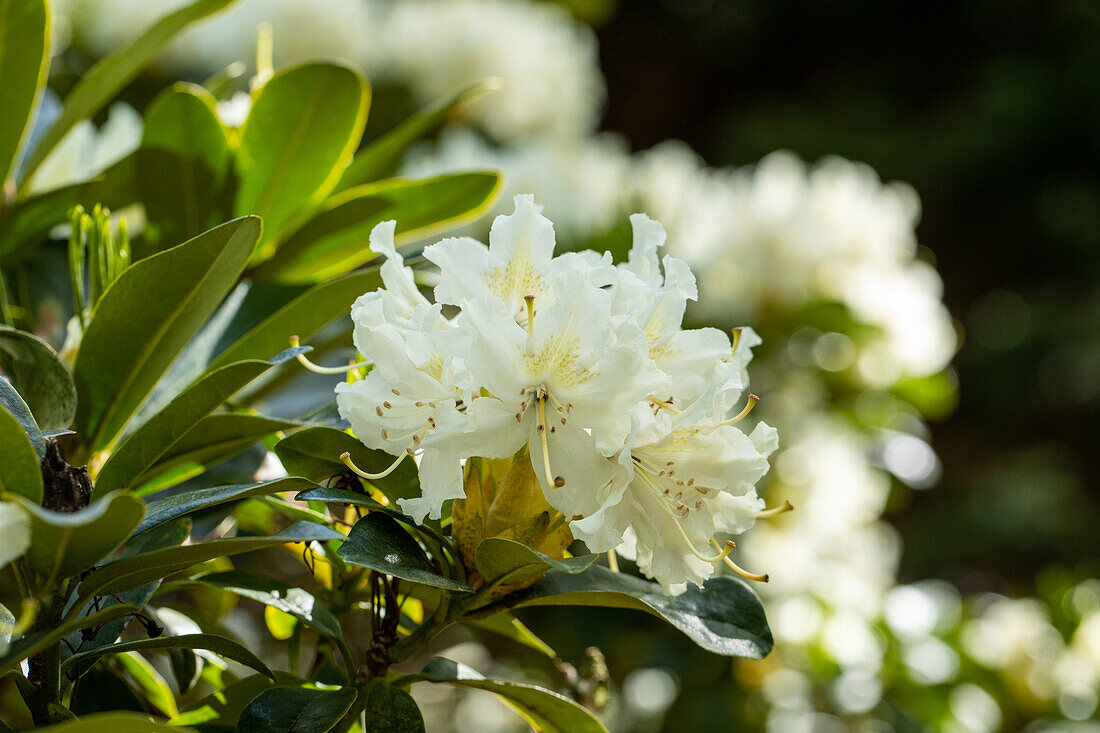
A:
[630,422]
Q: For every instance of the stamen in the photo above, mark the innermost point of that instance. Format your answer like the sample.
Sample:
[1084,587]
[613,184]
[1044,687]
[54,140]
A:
[761,577]
[295,343]
[345,458]
[666,405]
[753,399]
[612,561]
[776,511]
[736,339]
[555,481]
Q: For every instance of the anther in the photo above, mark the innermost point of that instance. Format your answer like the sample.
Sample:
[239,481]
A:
[395,391]
[419,403]
[296,343]
[387,405]
[385,435]
[378,409]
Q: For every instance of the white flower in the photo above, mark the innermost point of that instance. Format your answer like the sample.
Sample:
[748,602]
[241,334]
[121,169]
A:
[409,402]
[86,152]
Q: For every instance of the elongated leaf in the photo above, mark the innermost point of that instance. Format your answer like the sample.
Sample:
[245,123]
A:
[159,511]
[20,470]
[546,710]
[223,707]
[430,527]
[299,603]
[218,644]
[285,709]
[64,544]
[146,445]
[315,453]
[184,164]
[505,562]
[153,687]
[331,243]
[146,317]
[300,134]
[112,73]
[24,65]
[117,722]
[381,158]
[137,570]
[33,643]
[389,708]
[303,316]
[13,403]
[506,625]
[41,378]
[378,542]
[724,616]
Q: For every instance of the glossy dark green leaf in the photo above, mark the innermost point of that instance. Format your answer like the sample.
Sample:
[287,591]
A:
[389,708]
[151,440]
[146,317]
[301,132]
[724,616]
[184,164]
[12,402]
[378,542]
[382,157]
[303,316]
[546,710]
[506,625]
[159,511]
[315,453]
[185,668]
[35,642]
[284,709]
[64,544]
[104,80]
[24,65]
[20,470]
[504,562]
[220,645]
[429,528]
[131,572]
[213,439]
[297,602]
[41,378]
[332,242]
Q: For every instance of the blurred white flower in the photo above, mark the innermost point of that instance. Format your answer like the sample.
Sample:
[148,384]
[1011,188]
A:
[15,528]
[86,152]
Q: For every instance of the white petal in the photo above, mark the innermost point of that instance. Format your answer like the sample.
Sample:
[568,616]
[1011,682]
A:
[574,458]
[15,528]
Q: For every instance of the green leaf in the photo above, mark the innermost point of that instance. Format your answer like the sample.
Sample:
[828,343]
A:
[429,528]
[285,709]
[381,158]
[146,317]
[100,84]
[131,572]
[184,164]
[150,441]
[24,66]
[33,643]
[213,439]
[218,644]
[153,687]
[13,403]
[299,603]
[378,542]
[315,453]
[303,316]
[223,707]
[544,709]
[724,616]
[185,668]
[389,708]
[332,242]
[118,722]
[505,562]
[159,511]
[41,377]
[506,625]
[63,544]
[20,469]
[304,125]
